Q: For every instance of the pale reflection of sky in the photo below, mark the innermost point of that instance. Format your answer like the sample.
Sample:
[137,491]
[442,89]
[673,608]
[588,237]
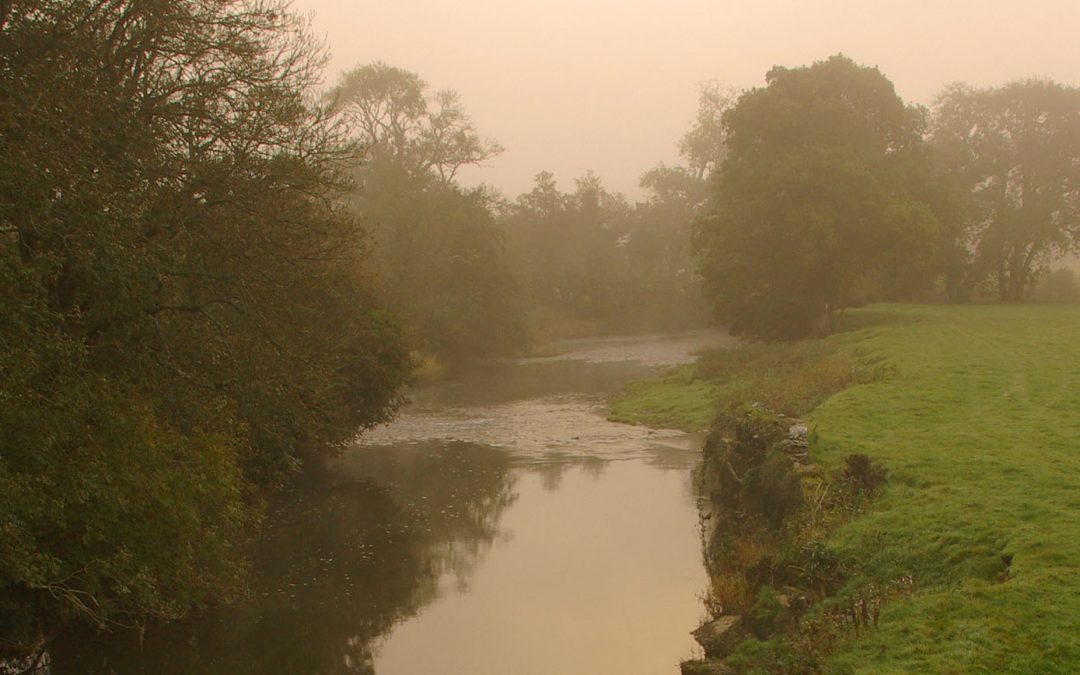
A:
[601,574]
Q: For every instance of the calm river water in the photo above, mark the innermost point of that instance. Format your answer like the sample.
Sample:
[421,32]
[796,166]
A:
[500,525]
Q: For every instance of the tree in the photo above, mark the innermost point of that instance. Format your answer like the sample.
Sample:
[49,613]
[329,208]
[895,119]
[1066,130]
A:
[590,262]
[437,248]
[658,246]
[1016,151]
[704,144]
[395,117]
[815,196]
[440,261]
[564,247]
[184,310]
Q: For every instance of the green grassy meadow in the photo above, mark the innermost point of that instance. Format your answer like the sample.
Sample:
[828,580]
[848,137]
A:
[975,411]
[979,425]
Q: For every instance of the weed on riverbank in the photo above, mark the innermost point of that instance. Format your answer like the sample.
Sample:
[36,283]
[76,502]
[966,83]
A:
[787,378]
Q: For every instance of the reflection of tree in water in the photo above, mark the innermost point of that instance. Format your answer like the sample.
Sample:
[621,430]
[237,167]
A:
[556,464]
[343,557]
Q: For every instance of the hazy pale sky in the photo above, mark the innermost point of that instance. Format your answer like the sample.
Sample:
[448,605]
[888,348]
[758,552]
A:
[610,85]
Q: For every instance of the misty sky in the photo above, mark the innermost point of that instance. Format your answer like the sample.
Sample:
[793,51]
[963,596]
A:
[611,85]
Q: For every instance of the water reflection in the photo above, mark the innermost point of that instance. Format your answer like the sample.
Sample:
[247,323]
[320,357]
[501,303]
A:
[595,366]
[348,555]
[602,576]
[501,525]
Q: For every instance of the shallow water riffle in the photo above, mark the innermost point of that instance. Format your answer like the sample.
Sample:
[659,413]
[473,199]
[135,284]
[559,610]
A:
[501,524]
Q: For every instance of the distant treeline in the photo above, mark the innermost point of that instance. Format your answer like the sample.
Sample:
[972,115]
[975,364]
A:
[834,193]
[474,274]
[820,191]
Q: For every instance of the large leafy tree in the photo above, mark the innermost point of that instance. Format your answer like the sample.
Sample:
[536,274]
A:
[184,313]
[816,196]
[1015,150]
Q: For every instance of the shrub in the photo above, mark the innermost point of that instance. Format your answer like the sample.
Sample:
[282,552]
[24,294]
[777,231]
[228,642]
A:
[862,474]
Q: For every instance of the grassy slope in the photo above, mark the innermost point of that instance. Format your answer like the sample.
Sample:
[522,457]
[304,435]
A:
[978,421]
[980,427]
[678,400]
[789,378]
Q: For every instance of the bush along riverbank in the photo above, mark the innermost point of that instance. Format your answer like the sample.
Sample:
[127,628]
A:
[902,498]
[775,581]
[769,509]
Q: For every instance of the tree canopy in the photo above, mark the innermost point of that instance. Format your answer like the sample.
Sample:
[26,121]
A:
[816,195]
[437,248]
[590,262]
[185,312]
[397,117]
[1014,151]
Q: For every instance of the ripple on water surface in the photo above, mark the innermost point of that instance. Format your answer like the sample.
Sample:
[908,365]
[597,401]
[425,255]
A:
[538,408]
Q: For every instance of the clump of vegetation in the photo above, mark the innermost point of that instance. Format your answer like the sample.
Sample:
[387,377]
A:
[185,310]
[769,613]
[788,378]
[862,475]
[678,400]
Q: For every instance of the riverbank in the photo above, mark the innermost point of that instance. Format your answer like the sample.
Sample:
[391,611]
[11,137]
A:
[967,559]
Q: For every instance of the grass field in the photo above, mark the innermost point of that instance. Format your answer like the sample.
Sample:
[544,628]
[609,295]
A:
[976,414]
[980,427]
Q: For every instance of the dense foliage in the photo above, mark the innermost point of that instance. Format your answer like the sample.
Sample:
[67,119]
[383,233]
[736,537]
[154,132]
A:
[589,262]
[819,193]
[183,311]
[440,258]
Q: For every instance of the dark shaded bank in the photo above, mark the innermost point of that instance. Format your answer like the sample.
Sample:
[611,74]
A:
[774,597]
[345,555]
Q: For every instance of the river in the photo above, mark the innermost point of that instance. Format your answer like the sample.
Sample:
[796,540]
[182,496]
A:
[500,525]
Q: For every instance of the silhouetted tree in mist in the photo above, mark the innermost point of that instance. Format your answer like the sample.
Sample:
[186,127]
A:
[1015,151]
[817,194]
[437,248]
